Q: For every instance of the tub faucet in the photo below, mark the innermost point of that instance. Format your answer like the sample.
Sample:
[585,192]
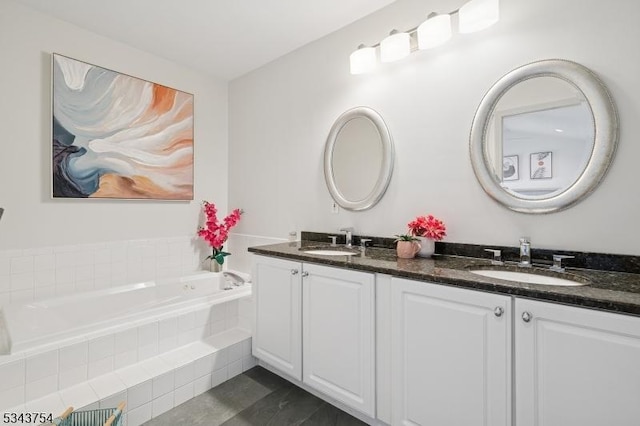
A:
[235,278]
[349,233]
[525,252]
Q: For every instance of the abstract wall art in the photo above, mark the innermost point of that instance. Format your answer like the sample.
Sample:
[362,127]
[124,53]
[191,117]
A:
[117,136]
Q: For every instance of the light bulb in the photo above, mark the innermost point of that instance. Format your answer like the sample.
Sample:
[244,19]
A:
[363,60]
[478,15]
[394,47]
[434,31]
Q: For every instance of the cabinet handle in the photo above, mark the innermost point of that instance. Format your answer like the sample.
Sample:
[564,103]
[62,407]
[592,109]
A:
[305,274]
[294,272]
[498,311]
[526,316]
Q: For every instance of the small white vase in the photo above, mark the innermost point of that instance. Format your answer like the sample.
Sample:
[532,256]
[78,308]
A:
[427,247]
[214,266]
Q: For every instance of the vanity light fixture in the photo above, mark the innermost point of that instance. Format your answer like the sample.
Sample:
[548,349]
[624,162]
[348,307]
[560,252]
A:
[363,60]
[395,46]
[435,31]
[478,15]
[473,16]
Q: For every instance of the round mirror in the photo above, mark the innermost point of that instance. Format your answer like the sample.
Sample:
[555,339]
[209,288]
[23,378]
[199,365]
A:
[358,159]
[543,136]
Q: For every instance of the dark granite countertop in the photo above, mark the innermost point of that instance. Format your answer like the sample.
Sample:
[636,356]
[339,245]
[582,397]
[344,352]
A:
[606,290]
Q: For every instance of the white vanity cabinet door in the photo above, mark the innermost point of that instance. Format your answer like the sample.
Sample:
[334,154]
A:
[576,366]
[451,356]
[338,335]
[277,328]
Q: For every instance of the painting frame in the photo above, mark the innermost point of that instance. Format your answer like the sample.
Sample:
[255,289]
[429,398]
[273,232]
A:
[511,166]
[541,165]
[146,151]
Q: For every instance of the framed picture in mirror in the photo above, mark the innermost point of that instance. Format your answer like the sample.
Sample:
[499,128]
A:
[510,169]
[541,165]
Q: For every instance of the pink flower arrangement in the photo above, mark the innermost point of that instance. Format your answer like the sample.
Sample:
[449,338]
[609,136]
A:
[429,227]
[215,233]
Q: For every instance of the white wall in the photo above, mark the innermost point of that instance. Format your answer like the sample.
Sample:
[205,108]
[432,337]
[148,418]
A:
[32,218]
[280,116]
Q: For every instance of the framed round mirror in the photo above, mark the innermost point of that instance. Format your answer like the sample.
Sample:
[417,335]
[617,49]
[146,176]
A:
[543,136]
[358,159]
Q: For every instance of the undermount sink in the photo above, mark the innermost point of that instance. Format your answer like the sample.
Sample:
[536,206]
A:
[526,277]
[326,252]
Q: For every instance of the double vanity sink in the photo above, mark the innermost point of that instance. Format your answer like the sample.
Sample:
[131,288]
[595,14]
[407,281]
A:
[592,288]
[507,272]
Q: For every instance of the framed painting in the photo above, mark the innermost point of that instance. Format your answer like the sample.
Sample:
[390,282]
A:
[541,165]
[510,168]
[117,136]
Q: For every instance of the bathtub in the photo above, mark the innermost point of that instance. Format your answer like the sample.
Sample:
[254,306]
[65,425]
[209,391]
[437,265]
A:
[60,320]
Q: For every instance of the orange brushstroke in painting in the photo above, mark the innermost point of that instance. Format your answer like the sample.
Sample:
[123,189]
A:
[177,144]
[163,101]
[136,187]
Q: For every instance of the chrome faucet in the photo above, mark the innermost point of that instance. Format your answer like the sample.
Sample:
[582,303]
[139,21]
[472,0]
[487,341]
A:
[363,245]
[235,278]
[525,252]
[557,262]
[349,234]
[497,256]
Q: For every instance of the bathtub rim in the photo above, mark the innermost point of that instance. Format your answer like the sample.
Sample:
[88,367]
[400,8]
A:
[107,327]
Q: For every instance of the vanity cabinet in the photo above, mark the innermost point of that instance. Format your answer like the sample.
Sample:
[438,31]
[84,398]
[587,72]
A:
[575,366]
[316,324]
[450,356]
[277,327]
[338,335]
[445,355]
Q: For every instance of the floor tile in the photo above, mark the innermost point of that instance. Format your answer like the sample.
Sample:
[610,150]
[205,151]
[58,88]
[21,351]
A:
[217,405]
[256,398]
[286,406]
[328,415]
[266,378]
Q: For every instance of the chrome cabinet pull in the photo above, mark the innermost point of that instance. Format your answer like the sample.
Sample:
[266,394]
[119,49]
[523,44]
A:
[498,311]
[526,316]
[294,272]
[305,274]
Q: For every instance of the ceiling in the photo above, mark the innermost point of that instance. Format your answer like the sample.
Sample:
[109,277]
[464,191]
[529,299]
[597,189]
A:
[223,38]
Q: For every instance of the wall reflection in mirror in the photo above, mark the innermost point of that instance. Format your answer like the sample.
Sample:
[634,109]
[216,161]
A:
[542,135]
[357,141]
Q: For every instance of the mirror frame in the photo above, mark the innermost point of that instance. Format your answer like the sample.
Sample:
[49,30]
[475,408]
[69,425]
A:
[605,122]
[384,177]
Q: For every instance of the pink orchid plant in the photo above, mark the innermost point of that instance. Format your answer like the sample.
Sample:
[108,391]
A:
[429,227]
[215,233]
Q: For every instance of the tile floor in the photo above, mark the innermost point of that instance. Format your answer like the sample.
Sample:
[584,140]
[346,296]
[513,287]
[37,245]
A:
[256,397]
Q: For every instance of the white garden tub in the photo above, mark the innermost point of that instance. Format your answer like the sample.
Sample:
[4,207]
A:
[27,326]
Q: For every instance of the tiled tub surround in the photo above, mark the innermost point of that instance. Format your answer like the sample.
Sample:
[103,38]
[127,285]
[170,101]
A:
[41,273]
[154,363]
[607,290]
[155,385]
